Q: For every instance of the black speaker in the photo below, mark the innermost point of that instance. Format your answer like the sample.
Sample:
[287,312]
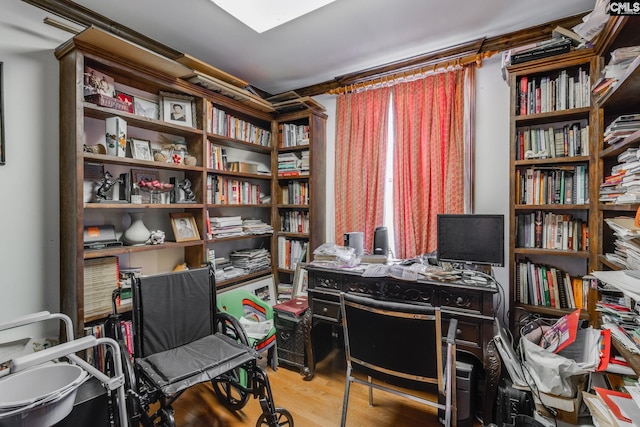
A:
[381,241]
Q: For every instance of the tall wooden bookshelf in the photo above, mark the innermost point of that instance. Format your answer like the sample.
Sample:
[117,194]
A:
[552,175]
[623,98]
[145,74]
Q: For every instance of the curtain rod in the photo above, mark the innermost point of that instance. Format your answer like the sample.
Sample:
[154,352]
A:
[396,77]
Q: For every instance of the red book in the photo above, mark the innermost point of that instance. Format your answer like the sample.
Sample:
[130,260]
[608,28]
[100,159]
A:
[524,89]
[295,306]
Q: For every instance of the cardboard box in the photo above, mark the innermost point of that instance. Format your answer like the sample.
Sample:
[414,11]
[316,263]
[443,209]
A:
[243,167]
[116,136]
[568,410]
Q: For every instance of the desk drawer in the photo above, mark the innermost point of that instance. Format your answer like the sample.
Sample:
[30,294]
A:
[461,299]
[327,310]
[469,334]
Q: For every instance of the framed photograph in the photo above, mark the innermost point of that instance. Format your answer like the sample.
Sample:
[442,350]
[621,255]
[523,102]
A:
[99,83]
[178,109]
[184,227]
[145,108]
[141,149]
[2,152]
[300,280]
[125,98]
[263,288]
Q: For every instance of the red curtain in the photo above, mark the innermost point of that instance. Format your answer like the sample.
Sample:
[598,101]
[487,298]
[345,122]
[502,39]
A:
[361,144]
[428,158]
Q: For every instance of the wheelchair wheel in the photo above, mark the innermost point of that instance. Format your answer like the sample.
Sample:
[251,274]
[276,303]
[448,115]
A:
[166,418]
[130,386]
[281,418]
[228,393]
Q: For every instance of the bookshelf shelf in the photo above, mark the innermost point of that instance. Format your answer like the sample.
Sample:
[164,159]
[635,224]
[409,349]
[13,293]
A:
[554,252]
[555,207]
[551,312]
[553,116]
[552,161]
[224,283]
[120,250]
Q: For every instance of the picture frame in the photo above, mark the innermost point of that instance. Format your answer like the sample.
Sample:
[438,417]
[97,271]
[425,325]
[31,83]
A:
[126,99]
[300,280]
[184,227]
[2,149]
[145,108]
[141,149]
[98,83]
[263,287]
[178,109]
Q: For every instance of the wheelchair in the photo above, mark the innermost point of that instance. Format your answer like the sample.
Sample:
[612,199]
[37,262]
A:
[180,339]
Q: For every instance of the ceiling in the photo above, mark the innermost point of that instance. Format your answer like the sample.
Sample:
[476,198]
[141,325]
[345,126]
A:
[340,38]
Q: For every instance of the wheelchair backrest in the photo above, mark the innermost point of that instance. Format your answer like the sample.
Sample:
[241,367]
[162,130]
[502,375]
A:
[172,309]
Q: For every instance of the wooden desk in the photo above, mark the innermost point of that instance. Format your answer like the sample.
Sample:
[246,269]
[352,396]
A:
[471,304]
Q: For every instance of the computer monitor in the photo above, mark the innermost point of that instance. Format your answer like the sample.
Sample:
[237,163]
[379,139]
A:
[471,239]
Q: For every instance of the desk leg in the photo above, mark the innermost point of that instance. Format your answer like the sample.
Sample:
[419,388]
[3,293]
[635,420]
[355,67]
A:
[309,369]
[493,371]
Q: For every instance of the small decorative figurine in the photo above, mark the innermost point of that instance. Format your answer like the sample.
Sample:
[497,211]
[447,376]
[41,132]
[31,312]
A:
[189,195]
[156,238]
[106,183]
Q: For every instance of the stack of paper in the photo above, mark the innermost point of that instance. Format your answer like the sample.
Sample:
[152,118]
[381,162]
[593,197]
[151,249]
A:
[627,246]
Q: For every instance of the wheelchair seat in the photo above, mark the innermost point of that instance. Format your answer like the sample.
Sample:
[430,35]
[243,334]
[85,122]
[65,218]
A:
[202,360]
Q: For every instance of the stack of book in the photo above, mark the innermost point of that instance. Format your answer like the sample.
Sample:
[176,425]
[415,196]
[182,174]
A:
[226,226]
[622,59]
[627,245]
[251,260]
[551,47]
[621,127]
[256,227]
[293,164]
[630,182]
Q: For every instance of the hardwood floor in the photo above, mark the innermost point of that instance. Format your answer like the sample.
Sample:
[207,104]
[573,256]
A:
[315,403]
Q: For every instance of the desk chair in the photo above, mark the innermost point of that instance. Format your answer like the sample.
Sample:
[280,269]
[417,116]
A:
[398,343]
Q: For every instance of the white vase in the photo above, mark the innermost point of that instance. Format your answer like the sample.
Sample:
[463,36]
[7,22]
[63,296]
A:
[137,233]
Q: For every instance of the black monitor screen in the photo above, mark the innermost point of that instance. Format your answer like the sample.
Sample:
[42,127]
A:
[475,239]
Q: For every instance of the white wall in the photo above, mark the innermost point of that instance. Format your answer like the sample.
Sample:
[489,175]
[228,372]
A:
[491,156]
[29,231]
[29,219]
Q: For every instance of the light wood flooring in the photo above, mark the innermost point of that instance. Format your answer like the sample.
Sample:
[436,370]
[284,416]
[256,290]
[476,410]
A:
[315,403]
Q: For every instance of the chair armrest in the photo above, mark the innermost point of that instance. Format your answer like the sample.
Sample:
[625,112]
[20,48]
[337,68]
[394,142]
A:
[453,328]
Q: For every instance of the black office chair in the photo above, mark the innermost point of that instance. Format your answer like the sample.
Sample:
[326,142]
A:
[181,340]
[401,344]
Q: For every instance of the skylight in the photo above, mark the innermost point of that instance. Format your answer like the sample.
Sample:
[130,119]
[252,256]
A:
[263,15]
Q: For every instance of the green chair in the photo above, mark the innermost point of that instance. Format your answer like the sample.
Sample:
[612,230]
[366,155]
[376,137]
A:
[242,304]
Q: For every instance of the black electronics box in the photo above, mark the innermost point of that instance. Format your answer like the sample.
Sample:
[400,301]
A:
[512,402]
[466,386]
[90,407]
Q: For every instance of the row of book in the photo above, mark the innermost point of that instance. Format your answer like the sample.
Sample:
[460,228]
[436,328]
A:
[295,193]
[221,123]
[96,356]
[292,135]
[547,230]
[229,191]
[560,185]
[294,221]
[544,143]
[291,252]
[623,184]
[293,164]
[543,285]
[553,93]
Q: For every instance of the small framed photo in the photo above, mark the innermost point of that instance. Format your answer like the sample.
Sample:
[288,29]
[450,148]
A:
[184,227]
[126,99]
[141,149]
[96,82]
[145,108]
[178,109]
[300,280]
